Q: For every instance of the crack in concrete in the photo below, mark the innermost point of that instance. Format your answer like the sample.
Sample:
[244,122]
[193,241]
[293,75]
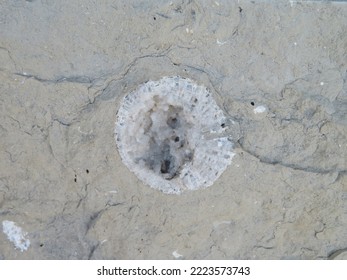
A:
[11,157]
[264,247]
[72,79]
[335,253]
[105,91]
[92,250]
[316,232]
[291,165]
[62,122]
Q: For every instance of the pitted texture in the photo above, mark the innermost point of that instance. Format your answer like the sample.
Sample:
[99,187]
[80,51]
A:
[170,133]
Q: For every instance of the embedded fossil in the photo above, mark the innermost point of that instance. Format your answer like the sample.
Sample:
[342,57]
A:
[170,133]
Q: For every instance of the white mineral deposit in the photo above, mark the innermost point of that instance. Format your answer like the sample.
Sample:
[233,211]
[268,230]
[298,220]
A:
[16,235]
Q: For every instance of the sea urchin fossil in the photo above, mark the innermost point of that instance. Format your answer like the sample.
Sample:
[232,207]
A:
[171,134]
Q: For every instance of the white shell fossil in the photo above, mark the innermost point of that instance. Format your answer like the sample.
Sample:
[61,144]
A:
[171,134]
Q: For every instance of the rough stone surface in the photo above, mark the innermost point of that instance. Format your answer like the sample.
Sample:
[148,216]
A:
[66,65]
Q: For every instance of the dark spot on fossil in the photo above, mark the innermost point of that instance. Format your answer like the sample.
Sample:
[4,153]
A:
[172,122]
[165,166]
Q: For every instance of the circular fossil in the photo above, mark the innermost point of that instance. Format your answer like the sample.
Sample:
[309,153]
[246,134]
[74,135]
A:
[172,135]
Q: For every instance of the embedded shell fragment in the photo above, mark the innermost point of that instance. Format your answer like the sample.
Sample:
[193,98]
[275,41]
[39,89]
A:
[170,133]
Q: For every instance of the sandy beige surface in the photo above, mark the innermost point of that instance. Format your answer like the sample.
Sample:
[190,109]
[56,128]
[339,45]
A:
[64,68]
